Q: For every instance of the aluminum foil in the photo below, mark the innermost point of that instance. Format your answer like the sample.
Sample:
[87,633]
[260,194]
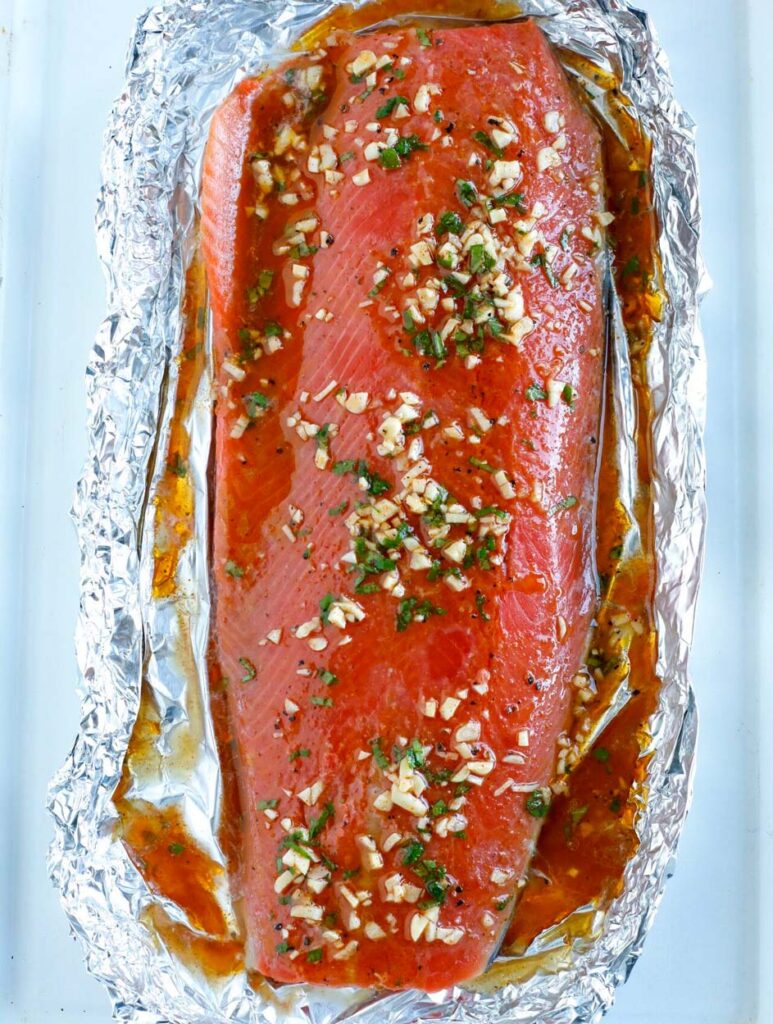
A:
[184,58]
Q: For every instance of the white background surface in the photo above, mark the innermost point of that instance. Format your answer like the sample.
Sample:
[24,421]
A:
[61,65]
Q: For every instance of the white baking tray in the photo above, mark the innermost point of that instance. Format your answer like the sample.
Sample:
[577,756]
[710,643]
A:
[709,957]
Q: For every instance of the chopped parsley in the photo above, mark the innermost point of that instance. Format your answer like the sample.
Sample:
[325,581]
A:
[481,464]
[633,266]
[177,465]
[565,503]
[337,510]
[327,677]
[321,702]
[256,402]
[375,484]
[438,808]
[322,437]
[303,249]
[386,109]
[412,852]
[378,754]
[410,608]
[536,804]
[466,192]
[234,570]
[176,849]
[262,288]
[480,604]
[272,329]
[268,805]
[601,754]
[514,199]
[568,395]
[429,343]
[480,260]
[449,222]
[325,604]
[424,37]
[314,956]
[540,259]
[300,752]
[249,670]
[317,824]
[392,157]
[485,140]
[536,393]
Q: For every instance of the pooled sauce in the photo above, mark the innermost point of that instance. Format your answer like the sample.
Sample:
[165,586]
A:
[589,834]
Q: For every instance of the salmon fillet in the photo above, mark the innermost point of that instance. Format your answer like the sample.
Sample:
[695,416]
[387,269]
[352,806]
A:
[400,237]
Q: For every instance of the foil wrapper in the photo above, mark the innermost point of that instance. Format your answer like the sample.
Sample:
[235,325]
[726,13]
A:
[184,58]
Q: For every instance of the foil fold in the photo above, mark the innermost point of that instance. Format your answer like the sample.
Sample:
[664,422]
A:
[184,58]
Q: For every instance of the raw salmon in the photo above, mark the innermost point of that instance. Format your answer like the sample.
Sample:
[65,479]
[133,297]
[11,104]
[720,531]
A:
[401,236]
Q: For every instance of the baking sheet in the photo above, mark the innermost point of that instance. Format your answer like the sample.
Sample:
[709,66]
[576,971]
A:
[701,961]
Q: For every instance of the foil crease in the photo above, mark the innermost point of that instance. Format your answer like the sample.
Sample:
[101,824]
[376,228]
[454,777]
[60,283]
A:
[184,58]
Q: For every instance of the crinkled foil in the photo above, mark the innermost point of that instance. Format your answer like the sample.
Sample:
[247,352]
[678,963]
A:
[185,57]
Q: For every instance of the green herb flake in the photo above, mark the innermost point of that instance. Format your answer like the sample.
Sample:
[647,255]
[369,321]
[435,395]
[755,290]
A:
[337,510]
[412,852]
[387,108]
[485,140]
[616,552]
[249,670]
[176,849]
[568,395]
[327,677]
[411,609]
[314,956]
[256,402]
[317,824]
[449,222]
[378,754]
[321,702]
[540,259]
[480,604]
[325,604]
[438,808]
[268,805]
[466,192]
[389,159]
[300,752]
[565,503]
[322,437]
[399,74]
[536,804]
[177,465]
[424,37]
[283,947]
[514,199]
[633,266]
[601,754]
[234,570]
[536,393]
[481,464]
